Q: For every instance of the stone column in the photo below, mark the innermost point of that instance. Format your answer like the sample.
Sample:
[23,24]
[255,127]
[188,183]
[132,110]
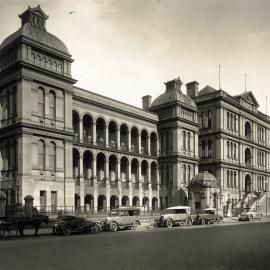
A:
[2,204]
[129,141]
[150,187]
[82,187]
[95,185]
[139,142]
[130,187]
[81,130]
[118,138]
[148,145]
[107,136]
[28,207]
[229,208]
[94,135]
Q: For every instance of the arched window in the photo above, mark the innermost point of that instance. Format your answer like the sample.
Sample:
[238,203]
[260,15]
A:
[184,140]
[228,149]
[248,130]
[234,179]
[41,154]
[188,142]
[228,120]
[231,178]
[52,105]
[188,179]
[234,151]
[41,99]
[228,178]
[234,122]
[52,156]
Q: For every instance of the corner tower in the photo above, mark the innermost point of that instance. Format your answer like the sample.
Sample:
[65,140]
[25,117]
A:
[178,135]
[36,88]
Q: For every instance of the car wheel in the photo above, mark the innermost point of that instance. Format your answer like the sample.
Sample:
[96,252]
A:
[169,223]
[203,221]
[250,217]
[113,226]
[135,225]
[156,225]
[94,229]
[66,230]
[218,220]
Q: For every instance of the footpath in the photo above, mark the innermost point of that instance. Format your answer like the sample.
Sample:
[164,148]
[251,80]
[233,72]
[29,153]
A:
[148,225]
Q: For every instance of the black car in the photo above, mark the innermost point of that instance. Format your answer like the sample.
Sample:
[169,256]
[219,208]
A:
[66,225]
[207,216]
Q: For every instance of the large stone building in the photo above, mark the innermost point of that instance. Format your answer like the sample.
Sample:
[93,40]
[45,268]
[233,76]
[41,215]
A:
[72,148]
[234,143]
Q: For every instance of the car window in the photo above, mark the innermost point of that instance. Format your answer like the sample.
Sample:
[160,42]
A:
[180,211]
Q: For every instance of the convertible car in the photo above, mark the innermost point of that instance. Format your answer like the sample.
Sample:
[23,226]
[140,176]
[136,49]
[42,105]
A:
[65,225]
[207,216]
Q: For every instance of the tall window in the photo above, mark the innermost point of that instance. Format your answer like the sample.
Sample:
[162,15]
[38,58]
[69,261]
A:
[184,140]
[188,142]
[52,155]
[184,174]
[209,149]
[228,178]
[41,154]
[52,105]
[228,149]
[41,99]
[234,179]
[203,149]
[209,119]
[234,122]
[228,120]
[14,100]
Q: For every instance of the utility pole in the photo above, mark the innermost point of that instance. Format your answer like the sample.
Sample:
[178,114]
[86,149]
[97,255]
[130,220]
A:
[245,82]
[219,66]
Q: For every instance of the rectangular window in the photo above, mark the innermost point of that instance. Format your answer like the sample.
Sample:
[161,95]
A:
[42,200]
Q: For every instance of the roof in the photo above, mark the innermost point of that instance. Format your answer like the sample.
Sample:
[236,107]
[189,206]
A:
[204,178]
[173,96]
[207,90]
[178,207]
[34,28]
[36,34]
[249,97]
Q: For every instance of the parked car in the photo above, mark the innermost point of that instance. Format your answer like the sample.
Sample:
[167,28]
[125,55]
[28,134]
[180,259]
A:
[66,225]
[175,215]
[207,216]
[125,217]
[249,216]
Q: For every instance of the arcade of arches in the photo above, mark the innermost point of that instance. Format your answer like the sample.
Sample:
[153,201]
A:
[105,181]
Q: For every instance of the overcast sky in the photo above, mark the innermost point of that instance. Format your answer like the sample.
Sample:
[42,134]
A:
[125,49]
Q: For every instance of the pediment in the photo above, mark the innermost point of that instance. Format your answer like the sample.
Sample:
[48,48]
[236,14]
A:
[249,98]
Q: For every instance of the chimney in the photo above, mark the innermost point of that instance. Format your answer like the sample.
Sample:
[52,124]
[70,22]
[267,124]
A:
[146,102]
[192,89]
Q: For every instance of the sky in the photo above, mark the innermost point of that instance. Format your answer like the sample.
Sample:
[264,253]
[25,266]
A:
[125,49]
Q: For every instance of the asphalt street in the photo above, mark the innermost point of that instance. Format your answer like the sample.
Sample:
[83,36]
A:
[245,246]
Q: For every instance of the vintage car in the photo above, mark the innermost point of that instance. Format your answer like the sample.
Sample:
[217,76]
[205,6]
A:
[249,216]
[125,217]
[176,215]
[65,225]
[207,216]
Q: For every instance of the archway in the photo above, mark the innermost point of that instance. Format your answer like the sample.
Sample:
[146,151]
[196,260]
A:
[125,201]
[248,183]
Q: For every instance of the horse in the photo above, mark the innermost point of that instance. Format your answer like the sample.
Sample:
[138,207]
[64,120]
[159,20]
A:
[36,221]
